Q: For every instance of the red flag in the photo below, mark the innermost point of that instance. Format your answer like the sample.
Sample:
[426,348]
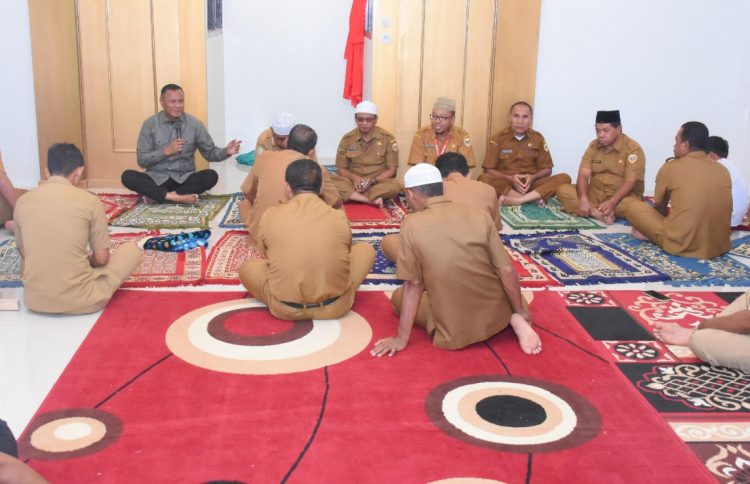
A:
[354,53]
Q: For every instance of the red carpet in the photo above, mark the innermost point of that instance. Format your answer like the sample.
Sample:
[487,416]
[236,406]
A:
[117,203]
[567,415]
[226,257]
[363,216]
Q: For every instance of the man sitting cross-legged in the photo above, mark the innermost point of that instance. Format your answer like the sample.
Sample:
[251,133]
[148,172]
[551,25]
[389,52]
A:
[312,270]
[62,235]
[723,340]
[459,283]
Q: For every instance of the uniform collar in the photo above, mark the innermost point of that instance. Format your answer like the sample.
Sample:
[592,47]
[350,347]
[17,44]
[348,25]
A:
[376,134]
[58,179]
[617,146]
[455,176]
[436,201]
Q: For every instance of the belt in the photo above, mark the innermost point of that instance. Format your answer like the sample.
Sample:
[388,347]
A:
[313,305]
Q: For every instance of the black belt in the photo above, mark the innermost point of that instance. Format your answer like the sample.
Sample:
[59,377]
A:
[313,305]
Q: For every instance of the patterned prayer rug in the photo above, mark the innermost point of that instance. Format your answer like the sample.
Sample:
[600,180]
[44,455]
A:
[173,215]
[362,216]
[741,247]
[163,372]
[574,258]
[706,406]
[383,273]
[551,217]
[225,259]
[10,264]
[163,269]
[530,274]
[682,271]
[231,218]
[117,203]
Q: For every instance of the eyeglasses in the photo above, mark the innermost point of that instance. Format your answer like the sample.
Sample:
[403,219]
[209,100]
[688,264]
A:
[365,119]
[437,117]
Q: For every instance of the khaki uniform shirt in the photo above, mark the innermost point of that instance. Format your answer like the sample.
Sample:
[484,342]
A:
[265,187]
[381,154]
[513,157]
[307,244]
[424,149]
[456,253]
[266,143]
[700,192]
[610,168]
[158,132]
[56,223]
[474,194]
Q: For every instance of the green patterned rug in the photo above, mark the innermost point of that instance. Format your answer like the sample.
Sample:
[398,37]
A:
[10,264]
[173,215]
[551,217]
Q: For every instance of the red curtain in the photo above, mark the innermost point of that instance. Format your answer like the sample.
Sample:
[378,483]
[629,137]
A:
[354,52]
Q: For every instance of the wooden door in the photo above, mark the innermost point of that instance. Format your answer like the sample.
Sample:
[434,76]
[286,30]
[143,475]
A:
[127,50]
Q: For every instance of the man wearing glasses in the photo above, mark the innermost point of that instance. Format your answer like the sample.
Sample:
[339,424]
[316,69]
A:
[367,160]
[442,136]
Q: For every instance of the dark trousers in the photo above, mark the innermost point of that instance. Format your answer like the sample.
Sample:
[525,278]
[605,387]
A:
[7,441]
[198,182]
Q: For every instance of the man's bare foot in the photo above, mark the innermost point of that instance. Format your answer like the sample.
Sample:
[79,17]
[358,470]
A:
[510,201]
[599,215]
[527,337]
[637,234]
[10,226]
[541,203]
[148,200]
[378,202]
[501,200]
[673,334]
[190,198]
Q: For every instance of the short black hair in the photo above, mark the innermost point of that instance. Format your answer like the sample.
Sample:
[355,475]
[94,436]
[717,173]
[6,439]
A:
[452,162]
[63,159]
[718,145]
[302,138]
[521,103]
[430,189]
[304,176]
[169,87]
[695,133]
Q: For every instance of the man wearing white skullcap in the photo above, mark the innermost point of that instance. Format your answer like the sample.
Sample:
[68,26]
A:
[275,137]
[459,283]
[367,160]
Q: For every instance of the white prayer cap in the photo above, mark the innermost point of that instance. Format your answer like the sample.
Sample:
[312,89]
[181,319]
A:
[422,174]
[366,107]
[282,124]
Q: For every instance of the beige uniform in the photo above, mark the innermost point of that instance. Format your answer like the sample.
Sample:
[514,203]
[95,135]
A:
[56,224]
[425,148]
[526,156]
[698,223]
[266,142]
[722,344]
[457,254]
[265,187]
[610,168]
[6,210]
[310,260]
[367,161]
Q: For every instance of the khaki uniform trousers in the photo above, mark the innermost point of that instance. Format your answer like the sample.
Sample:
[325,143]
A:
[122,262]
[385,189]
[254,276]
[568,197]
[6,211]
[724,348]
[546,186]
[647,221]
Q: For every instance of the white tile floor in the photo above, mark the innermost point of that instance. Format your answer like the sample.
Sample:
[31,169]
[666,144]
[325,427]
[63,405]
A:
[35,348]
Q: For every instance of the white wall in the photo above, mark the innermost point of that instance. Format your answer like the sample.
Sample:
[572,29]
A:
[286,55]
[660,62]
[18,141]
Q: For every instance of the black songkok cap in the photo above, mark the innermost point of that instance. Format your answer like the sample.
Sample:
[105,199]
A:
[608,116]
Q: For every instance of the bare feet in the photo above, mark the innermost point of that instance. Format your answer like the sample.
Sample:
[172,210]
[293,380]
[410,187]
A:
[541,203]
[510,201]
[10,226]
[377,202]
[527,337]
[599,215]
[673,334]
[501,200]
[637,234]
[190,198]
[148,200]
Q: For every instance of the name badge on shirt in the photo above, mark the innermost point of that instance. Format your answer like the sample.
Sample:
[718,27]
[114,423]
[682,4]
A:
[596,161]
[506,152]
[430,147]
[352,148]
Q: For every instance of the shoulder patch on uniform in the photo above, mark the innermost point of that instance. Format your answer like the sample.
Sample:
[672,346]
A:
[632,158]
[394,146]
[467,141]
[544,145]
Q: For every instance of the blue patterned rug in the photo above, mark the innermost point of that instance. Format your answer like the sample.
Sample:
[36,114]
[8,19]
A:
[575,259]
[741,247]
[383,273]
[683,271]
[231,218]
[10,264]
